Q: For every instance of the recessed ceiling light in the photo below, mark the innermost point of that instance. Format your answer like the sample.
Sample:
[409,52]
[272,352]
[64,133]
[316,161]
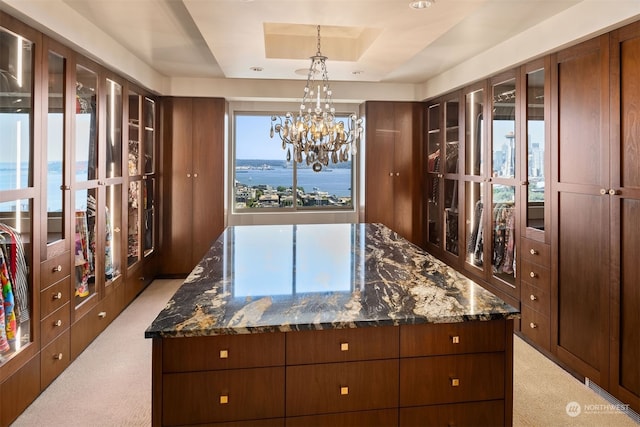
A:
[422,4]
[256,69]
[357,72]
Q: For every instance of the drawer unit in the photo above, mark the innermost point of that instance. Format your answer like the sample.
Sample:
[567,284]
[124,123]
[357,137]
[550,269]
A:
[54,324]
[535,326]
[452,338]
[54,358]
[536,252]
[476,414]
[341,387]
[538,299]
[54,297]
[223,352]
[55,269]
[341,345]
[379,418]
[452,379]
[536,275]
[221,396]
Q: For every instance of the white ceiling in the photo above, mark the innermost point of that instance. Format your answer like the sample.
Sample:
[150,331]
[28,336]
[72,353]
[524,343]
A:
[376,49]
[364,40]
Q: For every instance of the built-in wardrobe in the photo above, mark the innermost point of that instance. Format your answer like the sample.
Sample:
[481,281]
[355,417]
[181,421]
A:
[532,187]
[78,206]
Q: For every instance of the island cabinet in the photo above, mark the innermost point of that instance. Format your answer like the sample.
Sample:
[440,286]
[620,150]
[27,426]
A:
[397,338]
[408,375]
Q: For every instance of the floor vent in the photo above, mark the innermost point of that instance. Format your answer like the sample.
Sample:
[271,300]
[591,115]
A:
[615,403]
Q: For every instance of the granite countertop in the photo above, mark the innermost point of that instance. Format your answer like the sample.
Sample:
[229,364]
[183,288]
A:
[322,276]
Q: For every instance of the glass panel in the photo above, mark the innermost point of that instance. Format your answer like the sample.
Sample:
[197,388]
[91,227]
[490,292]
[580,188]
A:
[433,175]
[134,134]
[55,150]
[451,215]
[85,244]
[133,241]
[149,214]
[113,228]
[535,149]
[16,108]
[504,130]
[149,130]
[15,261]
[475,223]
[503,259]
[114,129]
[474,137]
[86,153]
[452,136]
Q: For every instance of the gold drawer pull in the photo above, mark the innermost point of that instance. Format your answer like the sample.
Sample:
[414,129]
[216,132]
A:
[533,325]
[455,339]
[57,323]
[344,346]
[344,391]
[533,252]
[102,314]
[57,356]
[56,269]
[224,354]
[533,275]
[57,295]
[224,399]
[455,382]
[532,297]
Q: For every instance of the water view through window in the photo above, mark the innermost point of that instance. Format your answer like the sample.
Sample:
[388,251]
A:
[263,179]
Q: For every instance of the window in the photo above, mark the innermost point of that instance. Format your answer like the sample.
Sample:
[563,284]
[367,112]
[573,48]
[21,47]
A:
[264,180]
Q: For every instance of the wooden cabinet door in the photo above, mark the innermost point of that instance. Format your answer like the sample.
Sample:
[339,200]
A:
[580,168]
[379,182]
[207,174]
[178,196]
[407,188]
[625,211]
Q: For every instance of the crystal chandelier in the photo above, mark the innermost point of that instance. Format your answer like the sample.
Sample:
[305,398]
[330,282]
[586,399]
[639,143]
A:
[314,133]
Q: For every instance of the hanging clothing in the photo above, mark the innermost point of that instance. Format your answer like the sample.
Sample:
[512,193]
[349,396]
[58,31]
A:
[18,270]
[8,320]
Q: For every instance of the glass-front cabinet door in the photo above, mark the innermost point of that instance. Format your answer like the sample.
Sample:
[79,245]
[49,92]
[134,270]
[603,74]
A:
[16,193]
[149,179]
[451,169]
[535,210]
[503,184]
[136,168]
[433,176]
[475,179]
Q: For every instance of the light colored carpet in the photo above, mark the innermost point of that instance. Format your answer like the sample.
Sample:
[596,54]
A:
[109,384]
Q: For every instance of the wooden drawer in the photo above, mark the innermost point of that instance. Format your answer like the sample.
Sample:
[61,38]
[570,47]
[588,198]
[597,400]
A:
[380,418]
[341,345]
[221,396]
[476,414]
[341,387]
[536,275]
[54,269]
[54,359]
[54,324]
[54,297]
[535,326]
[222,352]
[537,298]
[432,380]
[536,252]
[89,326]
[452,338]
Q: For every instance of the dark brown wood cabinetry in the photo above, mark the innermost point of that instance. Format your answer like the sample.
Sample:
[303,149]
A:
[385,376]
[193,140]
[393,187]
